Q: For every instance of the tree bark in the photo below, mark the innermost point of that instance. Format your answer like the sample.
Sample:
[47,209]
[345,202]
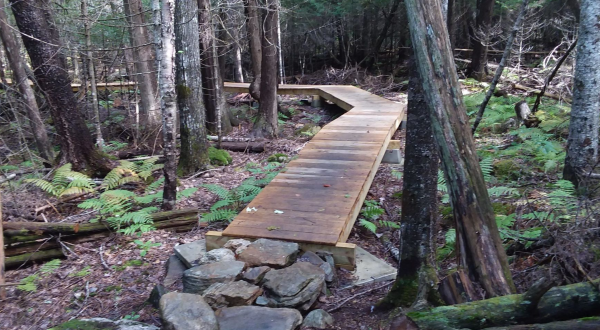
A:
[144,62]
[194,150]
[480,247]
[217,116]
[485,9]
[92,73]
[254,33]
[13,53]
[43,45]
[559,303]
[417,278]
[266,124]
[500,69]
[169,103]
[582,145]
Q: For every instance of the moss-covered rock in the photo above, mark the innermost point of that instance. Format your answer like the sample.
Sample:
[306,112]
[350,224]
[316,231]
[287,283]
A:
[219,157]
[103,324]
[309,129]
[277,158]
[506,169]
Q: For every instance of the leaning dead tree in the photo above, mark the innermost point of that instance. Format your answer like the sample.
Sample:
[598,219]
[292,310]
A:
[479,244]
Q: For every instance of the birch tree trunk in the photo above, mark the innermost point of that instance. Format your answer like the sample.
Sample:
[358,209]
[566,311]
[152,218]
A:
[169,102]
[13,53]
[194,151]
[254,41]
[44,48]
[479,242]
[266,124]
[92,73]
[582,146]
[144,62]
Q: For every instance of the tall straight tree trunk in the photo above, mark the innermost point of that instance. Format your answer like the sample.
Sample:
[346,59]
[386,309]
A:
[188,79]
[485,9]
[254,31]
[43,46]
[582,146]
[169,102]
[92,73]
[451,24]
[389,20]
[217,116]
[479,242]
[417,277]
[144,62]
[237,53]
[13,53]
[266,124]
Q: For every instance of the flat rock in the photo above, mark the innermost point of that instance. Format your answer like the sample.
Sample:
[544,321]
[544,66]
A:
[182,311]
[256,274]
[199,278]
[104,324]
[297,286]
[254,318]
[316,260]
[174,270]
[318,319]
[237,245]
[216,255]
[266,252]
[238,293]
[191,253]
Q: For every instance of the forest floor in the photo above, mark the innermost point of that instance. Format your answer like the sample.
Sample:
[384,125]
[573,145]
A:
[522,168]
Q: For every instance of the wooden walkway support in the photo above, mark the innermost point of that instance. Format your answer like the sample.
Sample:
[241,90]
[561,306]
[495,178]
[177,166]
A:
[316,199]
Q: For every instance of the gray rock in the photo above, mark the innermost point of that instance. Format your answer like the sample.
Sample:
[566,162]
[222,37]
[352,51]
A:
[102,323]
[175,268]
[216,255]
[318,319]
[266,252]
[231,294]
[191,253]
[199,278]
[182,311]
[330,272]
[254,318]
[256,274]
[157,292]
[316,260]
[297,286]
[237,245]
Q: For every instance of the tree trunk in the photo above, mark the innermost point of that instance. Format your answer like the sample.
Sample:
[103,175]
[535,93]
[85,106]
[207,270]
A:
[194,150]
[505,57]
[582,146]
[389,20]
[169,103]
[559,303]
[482,25]
[237,51]
[266,124]
[417,278]
[480,246]
[254,31]
[13,53]
[217,116]
[451,23]
[144,62]
[42,44]
[92,74]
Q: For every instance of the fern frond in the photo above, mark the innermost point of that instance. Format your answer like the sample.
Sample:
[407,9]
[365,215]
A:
[219,215]
[186,193]
[217,190]
[369,225]
[46,186]
[221,203]
[155,185]
[502,191]
[50,266]
[487,167]
[74,191]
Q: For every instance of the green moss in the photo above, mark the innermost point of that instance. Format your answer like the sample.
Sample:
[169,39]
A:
[506,169]
[183,91]
[403,293]
[397,195]
[134,262]
[219,157]
[111,288]
[309,129]
[590,318]
[84,325]
[277,158]
[503,209]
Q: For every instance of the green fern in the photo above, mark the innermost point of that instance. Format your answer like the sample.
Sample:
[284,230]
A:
[370,226]
[65,182]
[502,191]
[219,215]
[29,283]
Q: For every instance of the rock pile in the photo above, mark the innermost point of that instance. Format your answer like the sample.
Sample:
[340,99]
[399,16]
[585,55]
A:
[258,285]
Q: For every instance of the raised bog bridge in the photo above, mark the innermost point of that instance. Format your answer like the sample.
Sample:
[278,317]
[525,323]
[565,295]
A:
[316,199]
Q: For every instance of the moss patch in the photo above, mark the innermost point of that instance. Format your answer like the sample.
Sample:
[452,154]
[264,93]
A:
[309,129]
[506,169]
[503,209]
[219,157]
[277,158]
[84,325]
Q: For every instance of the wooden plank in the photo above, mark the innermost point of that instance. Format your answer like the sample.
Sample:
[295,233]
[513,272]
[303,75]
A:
[328,239]
[343,253]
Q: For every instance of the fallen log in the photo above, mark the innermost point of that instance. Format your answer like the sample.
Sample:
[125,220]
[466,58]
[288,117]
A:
[16,261]
[248,146]
[558,304]
[537,91]
[586,323]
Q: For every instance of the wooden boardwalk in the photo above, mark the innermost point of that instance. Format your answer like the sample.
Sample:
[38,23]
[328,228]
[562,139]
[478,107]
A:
[318,196]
